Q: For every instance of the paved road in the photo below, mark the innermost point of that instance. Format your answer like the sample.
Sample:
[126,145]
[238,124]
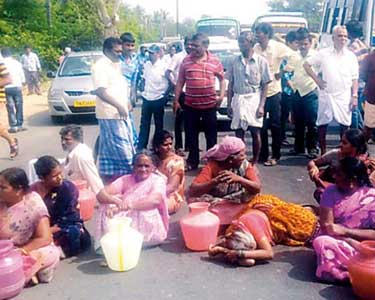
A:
[171,271]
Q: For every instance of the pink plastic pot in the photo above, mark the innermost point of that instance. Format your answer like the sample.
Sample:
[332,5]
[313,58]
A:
[199,227]
[12,278]
[86,200]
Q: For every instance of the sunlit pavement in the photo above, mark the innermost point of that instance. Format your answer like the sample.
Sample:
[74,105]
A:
[170,271]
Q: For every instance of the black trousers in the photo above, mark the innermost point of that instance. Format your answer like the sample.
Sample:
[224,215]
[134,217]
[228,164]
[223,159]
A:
[179,124]
[271,120]
[286,107]
[305,110]
[194,120]
[150,108]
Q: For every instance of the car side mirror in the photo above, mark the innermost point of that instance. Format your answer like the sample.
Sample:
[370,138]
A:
[51,74]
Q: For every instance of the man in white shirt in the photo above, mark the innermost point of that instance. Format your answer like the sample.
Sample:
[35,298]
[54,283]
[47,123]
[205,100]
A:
[31,65]
[79,164]
[172,75]
[13,92]
[153,96]
[116,143]
[338,86]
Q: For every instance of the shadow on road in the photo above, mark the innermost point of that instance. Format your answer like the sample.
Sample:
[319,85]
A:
[337,292]
[303,263]
[42,119]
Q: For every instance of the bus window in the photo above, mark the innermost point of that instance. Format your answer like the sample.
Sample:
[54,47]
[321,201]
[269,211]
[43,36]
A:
[334,18]
[326,19]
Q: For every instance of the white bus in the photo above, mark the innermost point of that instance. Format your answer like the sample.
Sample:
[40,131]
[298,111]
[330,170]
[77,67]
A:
[221,27]
[282,22]
[339,12]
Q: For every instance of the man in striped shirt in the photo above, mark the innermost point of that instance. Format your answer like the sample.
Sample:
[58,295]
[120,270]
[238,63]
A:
[4,80]
[198,72]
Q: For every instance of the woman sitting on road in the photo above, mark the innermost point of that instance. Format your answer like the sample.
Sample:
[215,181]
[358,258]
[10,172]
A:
[347,216]
[227,180]
[61,199]
[171,166]
[32,234]
[140,196]
[353,144]
[266,221]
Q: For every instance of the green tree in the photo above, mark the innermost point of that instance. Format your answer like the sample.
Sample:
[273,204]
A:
[312,9]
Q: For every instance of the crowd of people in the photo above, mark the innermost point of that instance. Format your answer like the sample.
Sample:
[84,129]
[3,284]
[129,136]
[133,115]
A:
[149,186]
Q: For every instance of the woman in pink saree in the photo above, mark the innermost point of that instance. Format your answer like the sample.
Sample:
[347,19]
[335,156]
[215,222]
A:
[24,220]
[140,196]
[347,217]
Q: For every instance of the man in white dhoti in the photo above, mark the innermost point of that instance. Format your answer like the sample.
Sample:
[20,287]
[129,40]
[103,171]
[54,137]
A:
[337,80]
[248,77]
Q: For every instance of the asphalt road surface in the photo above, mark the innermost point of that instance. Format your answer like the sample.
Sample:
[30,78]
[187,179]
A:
[170,271]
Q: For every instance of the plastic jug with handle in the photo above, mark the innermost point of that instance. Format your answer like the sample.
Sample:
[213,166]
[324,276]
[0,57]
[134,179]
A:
[86,200]
[122,245]
[199,227]
[12,278]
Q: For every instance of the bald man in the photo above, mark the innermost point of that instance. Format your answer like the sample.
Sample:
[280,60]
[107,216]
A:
[337,80]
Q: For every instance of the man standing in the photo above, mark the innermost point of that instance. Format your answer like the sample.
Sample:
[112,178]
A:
[129,63]
[274,52]
[248,77]
[67,51]
[305,102]
[13,92]
[31,65]
[287,94]
[198,71]
[4,80]
[156,86]
[172,75]
[116,143]
[338,86]
[360,49]
[367,72]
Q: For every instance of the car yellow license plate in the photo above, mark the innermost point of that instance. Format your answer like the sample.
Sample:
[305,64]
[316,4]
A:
[84,103]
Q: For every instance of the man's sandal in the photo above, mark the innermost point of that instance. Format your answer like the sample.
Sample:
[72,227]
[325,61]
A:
[271,162]
[13,149]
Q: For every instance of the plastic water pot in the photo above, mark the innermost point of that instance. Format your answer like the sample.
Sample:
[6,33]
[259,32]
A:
[122,245]
[362,271]
[12,278]
[199,227]
[86,200]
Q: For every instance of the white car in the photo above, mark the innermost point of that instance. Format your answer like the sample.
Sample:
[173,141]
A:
[71,88]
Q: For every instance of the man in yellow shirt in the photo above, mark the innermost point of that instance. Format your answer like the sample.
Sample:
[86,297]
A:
[274,52]
[305,104]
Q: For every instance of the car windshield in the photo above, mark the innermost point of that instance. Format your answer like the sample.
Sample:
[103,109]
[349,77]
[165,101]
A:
[225,56]
[78,65]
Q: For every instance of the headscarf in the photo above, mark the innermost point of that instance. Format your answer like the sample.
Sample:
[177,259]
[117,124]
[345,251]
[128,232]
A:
[228,146]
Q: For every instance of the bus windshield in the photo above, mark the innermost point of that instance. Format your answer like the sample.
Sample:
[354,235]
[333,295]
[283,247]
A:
[219,27]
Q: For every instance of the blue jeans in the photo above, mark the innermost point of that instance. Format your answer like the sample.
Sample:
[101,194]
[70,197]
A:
[14,106]
[357,113]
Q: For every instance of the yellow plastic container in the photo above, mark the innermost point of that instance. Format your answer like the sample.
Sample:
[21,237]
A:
[122,245]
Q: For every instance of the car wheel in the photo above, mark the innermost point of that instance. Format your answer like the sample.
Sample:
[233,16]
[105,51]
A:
[57,119]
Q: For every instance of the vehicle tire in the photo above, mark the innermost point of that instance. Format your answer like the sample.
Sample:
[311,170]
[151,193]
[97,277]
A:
[57,119]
